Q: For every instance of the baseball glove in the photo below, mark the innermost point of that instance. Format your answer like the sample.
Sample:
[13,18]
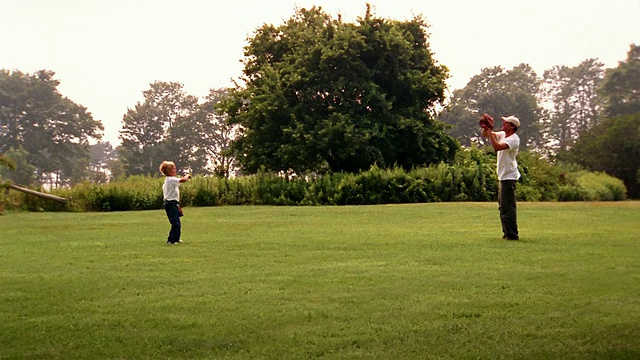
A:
[486,122]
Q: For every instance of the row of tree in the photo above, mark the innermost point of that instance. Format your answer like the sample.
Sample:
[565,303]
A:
[171,124]
[44,133]
[557,107]
[318,94]
[584,114]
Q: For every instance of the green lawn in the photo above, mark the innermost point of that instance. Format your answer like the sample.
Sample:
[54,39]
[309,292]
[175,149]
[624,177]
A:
[370,282]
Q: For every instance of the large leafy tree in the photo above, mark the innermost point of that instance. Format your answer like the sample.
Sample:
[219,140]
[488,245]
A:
[21,171]
[163,127]
[53,130]
[220,133]
[621,86]
[324,95]
[498,92]
[612,146]
[575,109]
[102,154]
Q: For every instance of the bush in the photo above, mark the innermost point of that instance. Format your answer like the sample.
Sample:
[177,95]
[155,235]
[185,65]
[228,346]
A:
[592,186]
[471,177]
[540,180]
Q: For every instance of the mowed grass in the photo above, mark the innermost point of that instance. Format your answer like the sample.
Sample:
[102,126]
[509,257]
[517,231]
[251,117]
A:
[427,281]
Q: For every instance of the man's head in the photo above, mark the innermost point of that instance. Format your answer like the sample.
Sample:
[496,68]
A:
[511,122]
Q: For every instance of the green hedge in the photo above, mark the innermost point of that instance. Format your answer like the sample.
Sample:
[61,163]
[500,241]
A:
[592,186]
[472,177]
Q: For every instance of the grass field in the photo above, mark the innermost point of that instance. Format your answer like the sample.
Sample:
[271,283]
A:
[428,281]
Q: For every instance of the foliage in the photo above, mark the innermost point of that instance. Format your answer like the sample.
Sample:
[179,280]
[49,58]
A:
[472,177]
[16,169]
[53,130]
[8,164]
[116,167]
[613,146]
[621,86]
[218,133]
[131,193]
[592,186]
[499,93]
[163,127]
[572,91]
[5,162]
[327,96]
[102,154]
[172,125]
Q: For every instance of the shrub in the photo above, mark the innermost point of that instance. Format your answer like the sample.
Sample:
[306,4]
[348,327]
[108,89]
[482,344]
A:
[471,177]
[593,186]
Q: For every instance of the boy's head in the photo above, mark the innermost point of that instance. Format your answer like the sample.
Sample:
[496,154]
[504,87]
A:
[166,166]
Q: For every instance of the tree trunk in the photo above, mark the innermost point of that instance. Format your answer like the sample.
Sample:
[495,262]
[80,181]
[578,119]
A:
[39,194]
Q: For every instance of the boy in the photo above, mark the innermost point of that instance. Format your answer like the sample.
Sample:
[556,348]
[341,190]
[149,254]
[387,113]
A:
[171,196]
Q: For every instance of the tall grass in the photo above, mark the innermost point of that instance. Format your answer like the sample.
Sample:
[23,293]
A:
[427,281]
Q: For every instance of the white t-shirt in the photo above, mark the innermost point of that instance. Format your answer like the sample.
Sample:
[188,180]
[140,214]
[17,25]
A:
[507,164]
[170,190]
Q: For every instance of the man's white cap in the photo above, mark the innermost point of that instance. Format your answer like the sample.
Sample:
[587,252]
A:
[512,119]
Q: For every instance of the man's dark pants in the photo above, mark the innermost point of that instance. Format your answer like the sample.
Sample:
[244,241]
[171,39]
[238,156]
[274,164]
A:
[507,207]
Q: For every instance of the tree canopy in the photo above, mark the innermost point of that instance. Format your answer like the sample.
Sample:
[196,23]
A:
[576,107]
[498,92]
[161,128]
[52,130]
[612,146]
[172,125]
[621,86]
[220,133]
[325,95]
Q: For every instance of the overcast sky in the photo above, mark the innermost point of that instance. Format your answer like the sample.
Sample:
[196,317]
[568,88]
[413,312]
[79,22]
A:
[107,52]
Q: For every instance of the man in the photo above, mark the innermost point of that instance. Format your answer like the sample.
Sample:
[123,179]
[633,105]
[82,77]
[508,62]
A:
[506,143]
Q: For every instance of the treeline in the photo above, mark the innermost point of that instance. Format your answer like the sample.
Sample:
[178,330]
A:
[321,96]
[584,114]
[470,178]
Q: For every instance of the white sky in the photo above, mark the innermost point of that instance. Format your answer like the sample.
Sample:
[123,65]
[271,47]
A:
[107,52]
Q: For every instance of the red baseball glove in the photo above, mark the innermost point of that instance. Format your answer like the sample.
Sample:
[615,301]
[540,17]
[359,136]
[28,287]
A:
[486,122]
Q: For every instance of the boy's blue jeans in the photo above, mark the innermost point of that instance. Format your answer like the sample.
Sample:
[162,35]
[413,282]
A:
[173,213]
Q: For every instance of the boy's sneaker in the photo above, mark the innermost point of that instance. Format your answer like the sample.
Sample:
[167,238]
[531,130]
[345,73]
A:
[179,241]
[171,243]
